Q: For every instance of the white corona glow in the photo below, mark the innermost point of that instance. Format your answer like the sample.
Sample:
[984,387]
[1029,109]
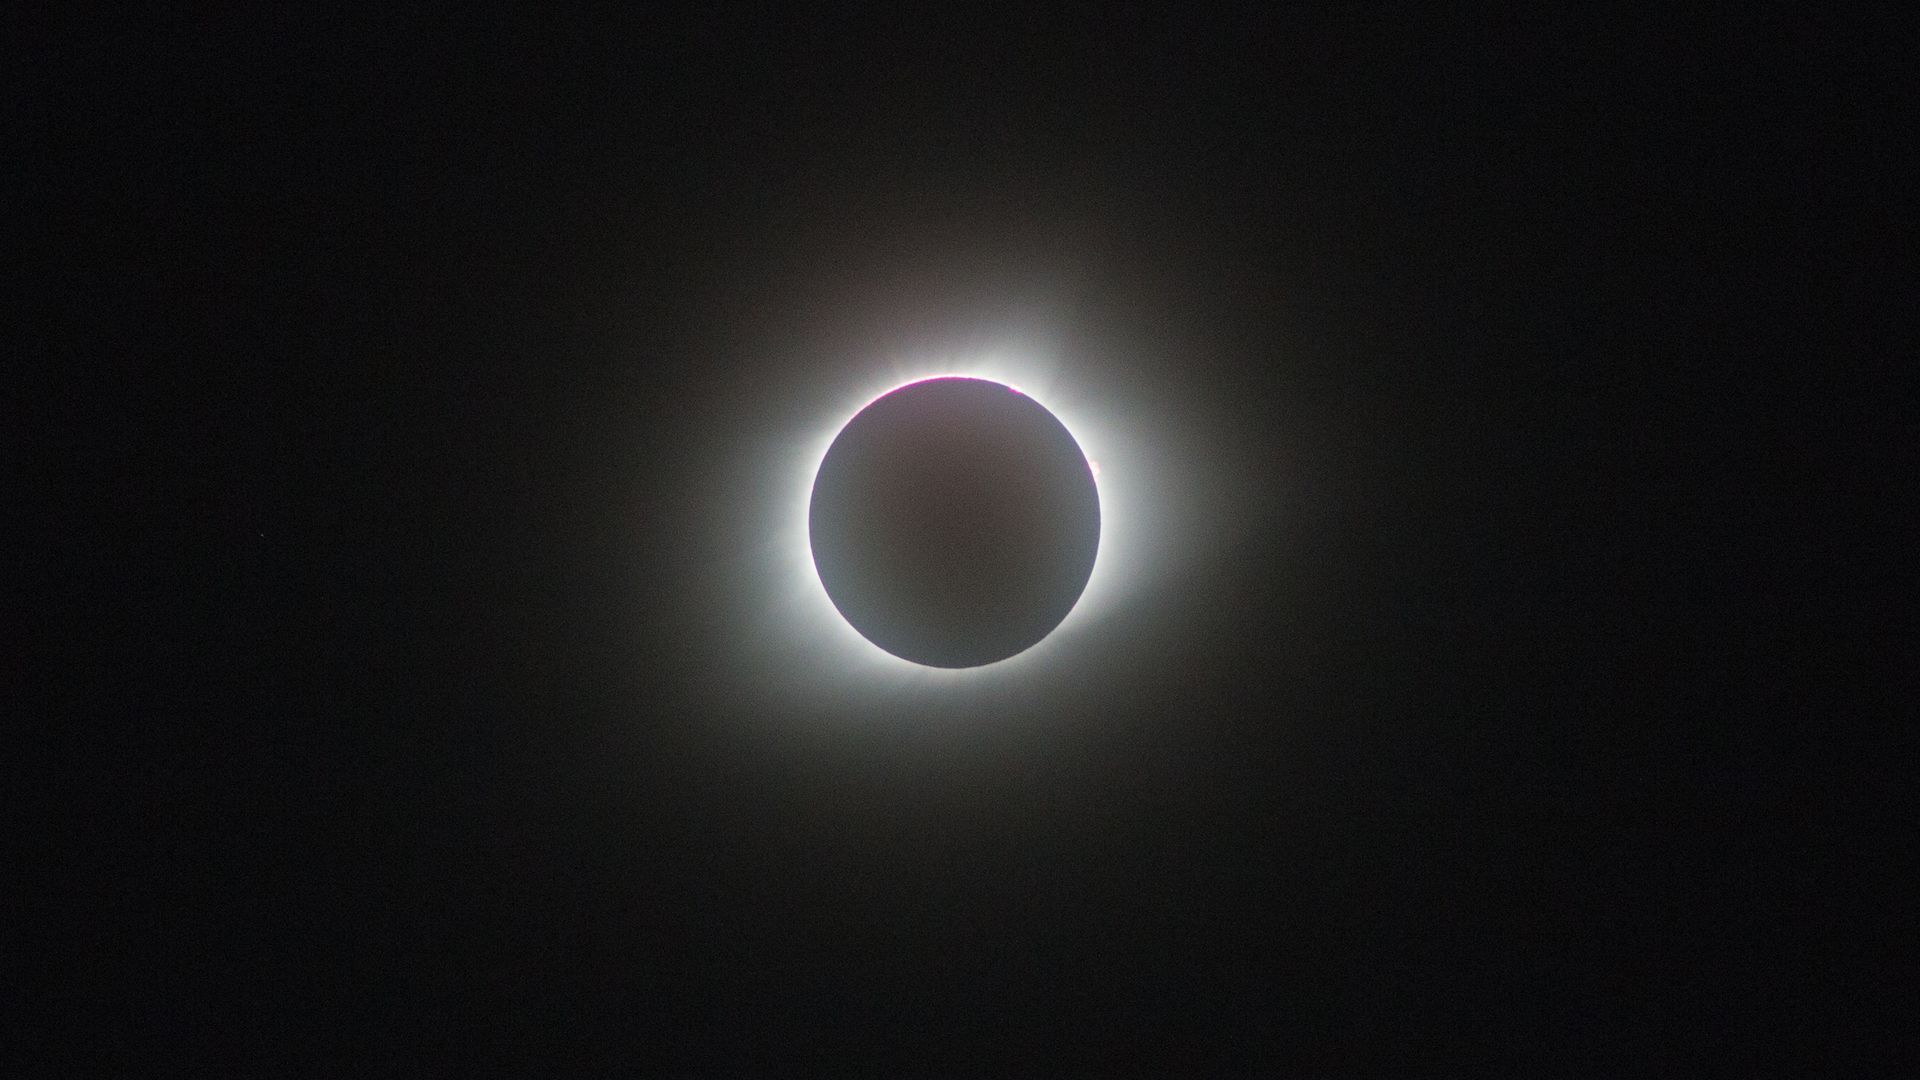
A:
[831,640]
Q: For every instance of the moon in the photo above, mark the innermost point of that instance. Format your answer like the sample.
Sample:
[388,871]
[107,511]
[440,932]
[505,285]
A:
[954,522]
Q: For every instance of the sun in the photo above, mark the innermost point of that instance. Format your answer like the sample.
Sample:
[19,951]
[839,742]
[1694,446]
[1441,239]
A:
[994,563]
[827,638]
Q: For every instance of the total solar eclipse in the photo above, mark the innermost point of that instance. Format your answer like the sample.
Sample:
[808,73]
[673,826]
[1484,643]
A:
[954,522]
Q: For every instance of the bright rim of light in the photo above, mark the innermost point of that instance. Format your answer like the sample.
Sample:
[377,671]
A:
[825,630]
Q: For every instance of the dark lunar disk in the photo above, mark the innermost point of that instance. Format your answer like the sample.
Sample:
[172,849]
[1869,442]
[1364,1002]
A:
[954,522]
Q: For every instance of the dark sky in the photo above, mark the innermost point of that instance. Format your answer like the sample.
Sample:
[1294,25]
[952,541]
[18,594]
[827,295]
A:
[433,695]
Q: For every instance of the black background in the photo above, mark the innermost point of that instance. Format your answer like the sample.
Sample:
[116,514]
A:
[1484,713]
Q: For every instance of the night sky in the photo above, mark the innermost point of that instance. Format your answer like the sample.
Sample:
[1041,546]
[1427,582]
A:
[436,399]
